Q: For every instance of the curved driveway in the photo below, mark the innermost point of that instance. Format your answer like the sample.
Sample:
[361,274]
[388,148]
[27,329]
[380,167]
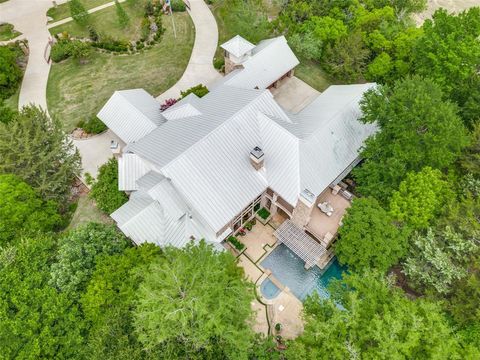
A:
[200,68]
[30,18]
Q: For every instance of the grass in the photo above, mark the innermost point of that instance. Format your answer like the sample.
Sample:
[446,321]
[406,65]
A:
[105,22]
[313,75]
[77,92]
[86,212]
[63,11]
[7,32]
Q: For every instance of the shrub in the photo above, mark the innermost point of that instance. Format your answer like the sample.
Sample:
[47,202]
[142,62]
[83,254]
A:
[92,33]
[248,226]
[178,5]
[105,189]
[148,8]
[111,45]
[60,51]
[263,213]
[167,104]
[10,73]
[237,244]
[78,12]
[145,28]
[122,16]
[92,126]
[218,63]
[79,50]
[200,90]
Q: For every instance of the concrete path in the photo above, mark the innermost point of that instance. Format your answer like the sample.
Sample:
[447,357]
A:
[30,18]
[200,68]
[68,19]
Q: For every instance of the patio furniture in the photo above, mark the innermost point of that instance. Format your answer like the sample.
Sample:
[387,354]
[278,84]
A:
[326,208]
[336,189]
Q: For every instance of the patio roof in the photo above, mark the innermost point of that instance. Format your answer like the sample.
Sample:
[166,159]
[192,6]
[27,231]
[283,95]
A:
[300,243]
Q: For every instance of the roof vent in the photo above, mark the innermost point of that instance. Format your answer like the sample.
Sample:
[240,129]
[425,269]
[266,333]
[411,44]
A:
[257,157]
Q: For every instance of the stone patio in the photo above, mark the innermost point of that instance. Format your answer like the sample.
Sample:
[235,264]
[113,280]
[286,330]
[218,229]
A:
[293,94]
[255,240]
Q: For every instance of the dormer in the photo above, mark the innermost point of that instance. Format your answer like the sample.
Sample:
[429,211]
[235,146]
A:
[237,50]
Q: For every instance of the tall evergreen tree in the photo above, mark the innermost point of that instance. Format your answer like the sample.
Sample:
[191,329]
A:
[36,149]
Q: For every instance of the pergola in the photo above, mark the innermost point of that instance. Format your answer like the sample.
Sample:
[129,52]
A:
[297,240]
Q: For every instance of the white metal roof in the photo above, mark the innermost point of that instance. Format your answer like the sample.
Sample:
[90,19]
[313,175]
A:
[131,167]
[271,59]
[131,114]
[237,46]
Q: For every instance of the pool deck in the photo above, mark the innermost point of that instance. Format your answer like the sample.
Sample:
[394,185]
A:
[285,308]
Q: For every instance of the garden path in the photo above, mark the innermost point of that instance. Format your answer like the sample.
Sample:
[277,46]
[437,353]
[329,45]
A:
[200,68]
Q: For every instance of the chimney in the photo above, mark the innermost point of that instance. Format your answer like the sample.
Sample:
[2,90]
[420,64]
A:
[256,158]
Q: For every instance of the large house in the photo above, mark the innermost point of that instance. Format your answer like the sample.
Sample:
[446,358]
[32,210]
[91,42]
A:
[204,166]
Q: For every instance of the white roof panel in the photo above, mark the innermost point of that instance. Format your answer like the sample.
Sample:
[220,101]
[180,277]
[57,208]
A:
[131,114]
[237,46]
[131,167]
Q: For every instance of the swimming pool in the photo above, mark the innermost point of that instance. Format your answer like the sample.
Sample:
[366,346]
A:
[289,269]
[269,289]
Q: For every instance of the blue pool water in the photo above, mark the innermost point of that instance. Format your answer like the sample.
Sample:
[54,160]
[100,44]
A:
[269,289]
[289,269]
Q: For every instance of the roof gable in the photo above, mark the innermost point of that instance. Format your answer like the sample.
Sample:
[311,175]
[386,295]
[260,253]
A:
[237,46]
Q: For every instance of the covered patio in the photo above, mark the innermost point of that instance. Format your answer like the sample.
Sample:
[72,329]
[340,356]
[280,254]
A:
[297,240]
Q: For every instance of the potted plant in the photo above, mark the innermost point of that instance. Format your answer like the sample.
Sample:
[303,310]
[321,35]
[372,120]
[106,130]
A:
[248,226]
[242,232]
[278,327]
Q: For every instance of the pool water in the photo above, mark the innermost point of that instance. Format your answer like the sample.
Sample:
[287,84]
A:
[269,289]
[289,269]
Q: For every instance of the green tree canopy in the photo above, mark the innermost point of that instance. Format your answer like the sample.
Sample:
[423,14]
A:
[417,128]
[78,12]
[10,73]
[105,189]
[78,252]
[449,53]
[22,210]
[438,259]
[377,321]
[36,149]
[368,238]
[36,321]
[195,303]
[420,198]
[109,299]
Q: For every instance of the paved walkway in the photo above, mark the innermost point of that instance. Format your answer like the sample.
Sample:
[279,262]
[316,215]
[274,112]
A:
[200,68]
[30,18]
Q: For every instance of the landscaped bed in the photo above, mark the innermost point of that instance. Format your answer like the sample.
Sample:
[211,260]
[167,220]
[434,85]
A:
[7,32]
[77,91]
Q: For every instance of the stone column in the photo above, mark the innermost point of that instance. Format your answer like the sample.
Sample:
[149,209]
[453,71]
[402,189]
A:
[303,210]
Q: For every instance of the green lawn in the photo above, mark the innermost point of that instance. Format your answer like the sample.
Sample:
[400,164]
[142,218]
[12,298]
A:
[7,32]
[313,75]
[105,22]
[86,212]
[77,92]
[63,11]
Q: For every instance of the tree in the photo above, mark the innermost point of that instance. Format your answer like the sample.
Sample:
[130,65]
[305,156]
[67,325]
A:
[347,59]
[78,252]
[448,53]
[105,189]
[195,303]
[438,258]
[21,210]
[37,321]
[79,13]
[368,238]
[464,301]
[10,73]
[35,148]
[7,114]
[470,160]
[109,299]
[417,128]
[122,16]
[376,321]
[420,198]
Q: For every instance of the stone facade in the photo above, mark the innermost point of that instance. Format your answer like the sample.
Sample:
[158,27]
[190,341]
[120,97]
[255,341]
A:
[230,65]
[301,213]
